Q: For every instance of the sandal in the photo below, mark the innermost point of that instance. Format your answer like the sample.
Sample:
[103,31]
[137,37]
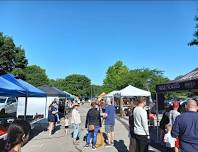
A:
[75,143]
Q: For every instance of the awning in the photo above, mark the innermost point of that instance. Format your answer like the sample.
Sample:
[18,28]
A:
[52,91]
[131,91]
[7,88]
[188,82]
[29,89]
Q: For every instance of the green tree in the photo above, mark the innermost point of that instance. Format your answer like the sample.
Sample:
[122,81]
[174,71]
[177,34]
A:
[96,90]
[195,40]
[146,78]
[76,84]
[35,75]
[115,77]
[11,57]
[20,73]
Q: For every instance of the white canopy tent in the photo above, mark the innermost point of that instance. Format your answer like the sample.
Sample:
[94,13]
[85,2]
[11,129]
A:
[131,91]
[111,94]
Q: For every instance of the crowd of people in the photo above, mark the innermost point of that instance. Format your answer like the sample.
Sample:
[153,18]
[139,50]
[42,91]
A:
[178,130]
[100,115]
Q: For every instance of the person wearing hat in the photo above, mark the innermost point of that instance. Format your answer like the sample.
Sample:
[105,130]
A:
[75,121]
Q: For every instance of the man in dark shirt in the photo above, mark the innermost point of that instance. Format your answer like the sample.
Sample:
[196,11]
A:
[186,128]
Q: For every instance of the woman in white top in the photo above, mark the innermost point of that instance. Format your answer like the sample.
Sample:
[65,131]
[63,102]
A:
[76,121]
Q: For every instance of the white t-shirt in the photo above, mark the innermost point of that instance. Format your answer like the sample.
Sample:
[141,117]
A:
[75,119]
[140,121]
[169,140]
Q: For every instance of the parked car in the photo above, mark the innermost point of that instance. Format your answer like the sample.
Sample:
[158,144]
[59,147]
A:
[8,105]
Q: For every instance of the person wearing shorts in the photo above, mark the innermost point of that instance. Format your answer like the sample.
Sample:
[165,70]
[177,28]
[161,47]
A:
[109,121]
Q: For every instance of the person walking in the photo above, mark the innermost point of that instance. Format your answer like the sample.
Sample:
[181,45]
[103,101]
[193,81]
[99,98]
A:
[109,121]
[132,144]
[172,116]
[56,105]
[76,121]
[185,127]
[51,117]
[93,123]
[141,130]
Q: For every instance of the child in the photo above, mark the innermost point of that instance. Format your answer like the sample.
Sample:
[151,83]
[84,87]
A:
[66,124]
[168,139]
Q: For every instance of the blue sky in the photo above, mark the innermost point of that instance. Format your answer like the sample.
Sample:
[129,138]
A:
[85,37]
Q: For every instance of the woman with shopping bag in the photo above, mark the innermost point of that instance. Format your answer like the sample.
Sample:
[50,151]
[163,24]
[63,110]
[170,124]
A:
[93,123]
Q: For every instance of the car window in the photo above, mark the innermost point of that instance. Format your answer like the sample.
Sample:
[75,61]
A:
[2,100]
[11,100]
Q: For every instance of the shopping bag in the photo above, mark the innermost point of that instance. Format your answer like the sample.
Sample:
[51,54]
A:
[100,140]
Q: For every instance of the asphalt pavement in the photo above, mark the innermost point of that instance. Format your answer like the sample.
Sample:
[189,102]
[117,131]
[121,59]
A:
[60,142]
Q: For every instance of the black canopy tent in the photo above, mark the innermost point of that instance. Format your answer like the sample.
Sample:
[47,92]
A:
[52,91]
[188,82]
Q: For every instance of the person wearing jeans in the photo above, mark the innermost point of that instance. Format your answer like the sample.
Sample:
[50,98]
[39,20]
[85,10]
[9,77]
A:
[93,135]
[92,119]
[75,121]
[76,132]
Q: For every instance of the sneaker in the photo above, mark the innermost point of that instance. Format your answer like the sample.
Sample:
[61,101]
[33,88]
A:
[86,146]
[93,147]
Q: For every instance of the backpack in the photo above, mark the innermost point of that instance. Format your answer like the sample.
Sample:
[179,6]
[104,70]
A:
[164,121]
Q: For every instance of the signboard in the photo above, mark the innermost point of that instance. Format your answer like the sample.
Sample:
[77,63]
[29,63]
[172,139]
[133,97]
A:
[177,86]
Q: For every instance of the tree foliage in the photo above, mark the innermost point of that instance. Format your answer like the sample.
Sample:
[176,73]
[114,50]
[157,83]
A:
[11,57]
[76,84]
[35,75]
[195,40]
[96,90]
[115,77]
[119,76]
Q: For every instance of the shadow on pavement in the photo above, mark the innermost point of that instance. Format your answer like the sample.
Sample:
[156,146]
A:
[120,146]
[153,134]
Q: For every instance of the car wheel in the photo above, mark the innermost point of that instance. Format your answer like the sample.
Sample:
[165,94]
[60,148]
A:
[2,111]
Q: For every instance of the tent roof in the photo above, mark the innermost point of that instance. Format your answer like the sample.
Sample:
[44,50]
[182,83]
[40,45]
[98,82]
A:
[102,94]
[187,82]
[7,88]
[28,89]
[70,95]
[131,91]
[52,91]
[111,94]
[192,75]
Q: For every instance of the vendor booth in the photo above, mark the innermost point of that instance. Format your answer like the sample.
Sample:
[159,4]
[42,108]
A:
[53,93]
[188,82]
[12,86]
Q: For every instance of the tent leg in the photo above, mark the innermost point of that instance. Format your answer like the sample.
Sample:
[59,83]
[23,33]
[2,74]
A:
[46,108]
[25,112]
[157,114]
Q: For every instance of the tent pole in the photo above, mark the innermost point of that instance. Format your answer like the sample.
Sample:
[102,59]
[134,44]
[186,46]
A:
[157,113]
[46,107]
[25,107]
